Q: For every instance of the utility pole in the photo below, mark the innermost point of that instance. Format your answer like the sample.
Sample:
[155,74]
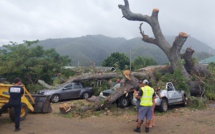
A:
[130,60]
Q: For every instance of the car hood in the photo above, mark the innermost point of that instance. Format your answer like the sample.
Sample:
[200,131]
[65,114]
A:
[48,91]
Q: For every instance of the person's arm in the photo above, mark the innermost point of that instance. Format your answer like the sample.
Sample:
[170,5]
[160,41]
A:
[22,91]
[140,93]
[153,96]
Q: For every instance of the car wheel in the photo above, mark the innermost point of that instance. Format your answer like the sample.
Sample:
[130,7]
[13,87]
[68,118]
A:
[85,95]
[164,105]
[23,114]
[123,102]
[185,101]
[55,98]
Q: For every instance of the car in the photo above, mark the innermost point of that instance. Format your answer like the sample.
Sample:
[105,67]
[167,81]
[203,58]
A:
[70,90]
[123,101]
[167,97]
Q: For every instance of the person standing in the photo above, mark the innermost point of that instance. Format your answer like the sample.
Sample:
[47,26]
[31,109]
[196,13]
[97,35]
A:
[15,93]
[145,95]
[152,122]
[136,91]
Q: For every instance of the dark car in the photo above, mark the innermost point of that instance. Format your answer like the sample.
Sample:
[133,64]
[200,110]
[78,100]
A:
[68,91]
[123,101]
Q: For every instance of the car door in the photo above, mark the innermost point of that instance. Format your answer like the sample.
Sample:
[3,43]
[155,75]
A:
[66,92]
[173,95]
[75,92]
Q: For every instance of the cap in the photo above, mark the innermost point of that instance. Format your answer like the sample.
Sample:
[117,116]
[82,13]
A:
[118,80]
[145,81]
[140,81]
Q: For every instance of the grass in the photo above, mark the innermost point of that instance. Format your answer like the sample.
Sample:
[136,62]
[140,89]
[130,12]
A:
[111,111]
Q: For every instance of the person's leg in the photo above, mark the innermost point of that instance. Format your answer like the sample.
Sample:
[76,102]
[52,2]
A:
[152,123]
[4,107]
[137,108]
[148,118]
[17,109]
[141,115]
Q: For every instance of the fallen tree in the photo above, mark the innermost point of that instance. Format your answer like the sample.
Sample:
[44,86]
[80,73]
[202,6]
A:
[189,69]
[127,84]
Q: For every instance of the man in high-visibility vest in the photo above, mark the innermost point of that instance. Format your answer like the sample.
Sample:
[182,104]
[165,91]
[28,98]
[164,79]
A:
[146,93]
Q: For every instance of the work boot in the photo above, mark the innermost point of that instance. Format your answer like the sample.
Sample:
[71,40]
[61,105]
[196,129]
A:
[147,130]
[17,129]
[137,130]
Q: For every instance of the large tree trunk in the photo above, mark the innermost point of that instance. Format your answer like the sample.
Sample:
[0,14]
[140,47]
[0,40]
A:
[172,51]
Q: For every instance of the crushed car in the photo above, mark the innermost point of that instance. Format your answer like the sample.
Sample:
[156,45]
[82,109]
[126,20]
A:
[167,97]
[123,101]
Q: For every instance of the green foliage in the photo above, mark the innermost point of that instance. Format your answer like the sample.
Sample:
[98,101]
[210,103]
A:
[209,84]
[117,60]
[66,73]
[98,85]
[59,79]
[210,96]
[180,81]
[177,78]
[33,88]
[141,62]
[30,63]
[196,102]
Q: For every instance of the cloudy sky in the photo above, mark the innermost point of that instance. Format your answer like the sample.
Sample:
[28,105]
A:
[43,19]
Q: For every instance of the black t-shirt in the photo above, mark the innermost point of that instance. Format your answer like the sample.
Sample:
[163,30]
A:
[16,93]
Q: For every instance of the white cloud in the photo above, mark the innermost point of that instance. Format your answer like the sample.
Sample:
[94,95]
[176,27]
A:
[30,20]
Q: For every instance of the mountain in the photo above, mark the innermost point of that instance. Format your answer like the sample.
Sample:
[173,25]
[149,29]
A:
[90,49]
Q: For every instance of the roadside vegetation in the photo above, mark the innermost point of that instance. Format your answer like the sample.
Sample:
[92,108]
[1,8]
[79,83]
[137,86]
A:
[32,63]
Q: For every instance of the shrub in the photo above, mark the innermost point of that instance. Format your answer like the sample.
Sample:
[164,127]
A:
[33,88]
[197,102]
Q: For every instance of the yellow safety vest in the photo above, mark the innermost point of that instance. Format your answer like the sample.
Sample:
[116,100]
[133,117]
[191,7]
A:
[146,99]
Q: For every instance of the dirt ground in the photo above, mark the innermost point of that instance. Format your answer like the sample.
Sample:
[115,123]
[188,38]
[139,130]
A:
[178,120]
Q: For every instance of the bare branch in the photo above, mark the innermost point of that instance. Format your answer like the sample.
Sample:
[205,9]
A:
[146,38]
[132,16]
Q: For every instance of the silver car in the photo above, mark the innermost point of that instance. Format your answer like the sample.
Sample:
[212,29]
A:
[168,96]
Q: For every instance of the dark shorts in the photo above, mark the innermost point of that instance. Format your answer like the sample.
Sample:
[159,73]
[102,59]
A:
[145,112]
[137,105]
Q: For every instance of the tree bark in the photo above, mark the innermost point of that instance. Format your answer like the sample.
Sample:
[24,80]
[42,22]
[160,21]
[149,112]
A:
[172,51]
[128,83]
[91,76]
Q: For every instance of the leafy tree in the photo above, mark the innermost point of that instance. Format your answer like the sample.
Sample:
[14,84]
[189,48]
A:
[141,62]
[118,60]
[30,63]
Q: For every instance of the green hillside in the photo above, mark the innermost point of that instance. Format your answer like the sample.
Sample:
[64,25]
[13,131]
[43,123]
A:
[90,49]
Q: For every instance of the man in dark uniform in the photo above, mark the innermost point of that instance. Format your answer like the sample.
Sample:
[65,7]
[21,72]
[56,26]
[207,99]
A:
[16,93]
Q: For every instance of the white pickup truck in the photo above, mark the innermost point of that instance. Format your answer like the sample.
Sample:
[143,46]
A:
[168,96]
